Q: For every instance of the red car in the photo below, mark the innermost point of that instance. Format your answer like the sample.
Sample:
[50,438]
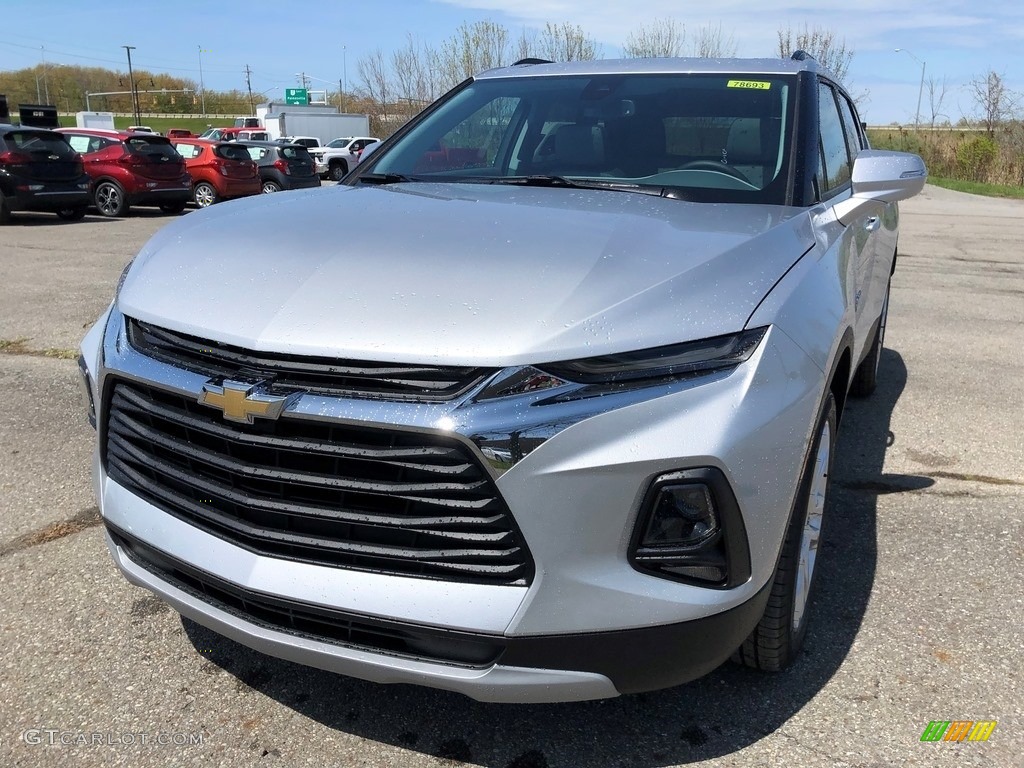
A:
[129,169]
[220,170]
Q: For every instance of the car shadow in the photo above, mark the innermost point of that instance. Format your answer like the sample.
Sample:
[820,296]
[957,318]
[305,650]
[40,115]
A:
[33,219]
[717,715]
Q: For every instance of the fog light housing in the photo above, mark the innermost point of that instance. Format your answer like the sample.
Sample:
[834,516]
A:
[690,529]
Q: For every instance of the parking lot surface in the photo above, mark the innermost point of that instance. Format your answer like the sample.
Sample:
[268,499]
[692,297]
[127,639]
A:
[919,605]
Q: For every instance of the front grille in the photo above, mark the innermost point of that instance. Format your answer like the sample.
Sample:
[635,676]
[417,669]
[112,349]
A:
[389,501]
[312,621]
[339,378]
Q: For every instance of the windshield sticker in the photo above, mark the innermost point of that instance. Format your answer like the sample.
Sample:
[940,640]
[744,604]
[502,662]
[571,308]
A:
[759,85]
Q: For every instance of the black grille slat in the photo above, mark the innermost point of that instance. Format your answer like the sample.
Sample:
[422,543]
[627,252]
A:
[311,621]
[356,504]
[326,376]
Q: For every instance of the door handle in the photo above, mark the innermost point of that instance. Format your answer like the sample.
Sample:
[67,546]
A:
[872,224]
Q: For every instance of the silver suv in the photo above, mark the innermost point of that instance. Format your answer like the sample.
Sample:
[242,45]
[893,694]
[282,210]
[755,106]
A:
[555,422]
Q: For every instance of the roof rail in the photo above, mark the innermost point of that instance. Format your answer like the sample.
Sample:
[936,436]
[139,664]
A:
[802,55]
[531,60]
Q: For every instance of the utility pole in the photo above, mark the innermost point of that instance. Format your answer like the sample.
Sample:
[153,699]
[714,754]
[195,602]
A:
[344,74]
[46,84]
[248,84]
[202,85]
[131,80]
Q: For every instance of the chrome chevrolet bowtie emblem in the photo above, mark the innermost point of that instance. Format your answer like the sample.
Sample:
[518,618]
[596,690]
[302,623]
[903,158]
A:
[242,402]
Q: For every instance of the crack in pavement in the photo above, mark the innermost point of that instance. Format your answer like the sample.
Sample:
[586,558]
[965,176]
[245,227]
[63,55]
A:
[87,518]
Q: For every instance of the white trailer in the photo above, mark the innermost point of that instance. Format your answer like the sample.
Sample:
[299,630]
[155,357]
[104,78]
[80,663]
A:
[101,120]
[324,126]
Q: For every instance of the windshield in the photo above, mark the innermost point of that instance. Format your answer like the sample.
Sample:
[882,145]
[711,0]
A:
[707,137]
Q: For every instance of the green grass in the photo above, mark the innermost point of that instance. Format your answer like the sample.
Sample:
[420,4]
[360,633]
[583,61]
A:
[195,124]
[977,188]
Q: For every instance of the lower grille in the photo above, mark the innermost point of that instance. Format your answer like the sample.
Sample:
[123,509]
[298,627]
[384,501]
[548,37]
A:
[311,621]
[388,501]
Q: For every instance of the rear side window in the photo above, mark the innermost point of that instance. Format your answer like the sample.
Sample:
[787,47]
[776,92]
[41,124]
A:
[40,144]
[232,152]
[257,153]
[188,151]
[835,157]
[854,140]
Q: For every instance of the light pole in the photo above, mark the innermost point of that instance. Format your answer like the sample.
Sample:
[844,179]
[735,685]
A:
[202,85]
[131,82]
[920,90]
[344,74]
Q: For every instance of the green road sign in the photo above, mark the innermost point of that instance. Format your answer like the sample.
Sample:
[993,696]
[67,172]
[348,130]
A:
[296,96]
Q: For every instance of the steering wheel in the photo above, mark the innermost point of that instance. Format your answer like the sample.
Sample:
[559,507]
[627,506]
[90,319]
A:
[714,165]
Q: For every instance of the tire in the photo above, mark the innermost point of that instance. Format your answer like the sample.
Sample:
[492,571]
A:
[72,214]
[779,634]
[337,171]
[5,211]
[108,197]
[865,378]
[204,194]
[176,207]
[270,187]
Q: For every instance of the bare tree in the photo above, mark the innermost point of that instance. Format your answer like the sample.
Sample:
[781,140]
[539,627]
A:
[376,80]
[937,91]
[712,43]
[415,76]
[472,49]
[563,42]
[995,103]
[830,51]
[662,37]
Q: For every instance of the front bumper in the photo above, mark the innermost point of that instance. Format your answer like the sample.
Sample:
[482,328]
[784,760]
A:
[575,498]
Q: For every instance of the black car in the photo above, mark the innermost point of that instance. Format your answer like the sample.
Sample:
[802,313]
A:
[282,166]
[39,171]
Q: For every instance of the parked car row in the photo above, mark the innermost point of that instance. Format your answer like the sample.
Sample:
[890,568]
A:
[68,169]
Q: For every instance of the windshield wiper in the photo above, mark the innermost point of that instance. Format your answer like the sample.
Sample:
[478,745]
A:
[384,178]
[563,181]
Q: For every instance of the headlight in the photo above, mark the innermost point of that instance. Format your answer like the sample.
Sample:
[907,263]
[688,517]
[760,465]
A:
[666,362]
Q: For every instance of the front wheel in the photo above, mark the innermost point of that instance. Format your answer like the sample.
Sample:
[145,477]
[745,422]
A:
[338,171]
[109,199]
[72,214]
[865,379]
[204,194]
[779,634]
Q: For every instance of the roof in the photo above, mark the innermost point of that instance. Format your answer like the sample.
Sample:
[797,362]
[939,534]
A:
[767,66]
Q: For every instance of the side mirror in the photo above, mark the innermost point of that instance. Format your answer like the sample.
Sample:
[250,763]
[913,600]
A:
[368,150]
[881,176]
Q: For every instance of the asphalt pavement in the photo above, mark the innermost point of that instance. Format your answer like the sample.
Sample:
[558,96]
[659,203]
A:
[918,617]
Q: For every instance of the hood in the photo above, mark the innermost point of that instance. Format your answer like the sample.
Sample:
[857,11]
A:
[462,274]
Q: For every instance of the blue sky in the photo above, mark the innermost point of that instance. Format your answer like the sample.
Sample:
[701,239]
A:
[955,39]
